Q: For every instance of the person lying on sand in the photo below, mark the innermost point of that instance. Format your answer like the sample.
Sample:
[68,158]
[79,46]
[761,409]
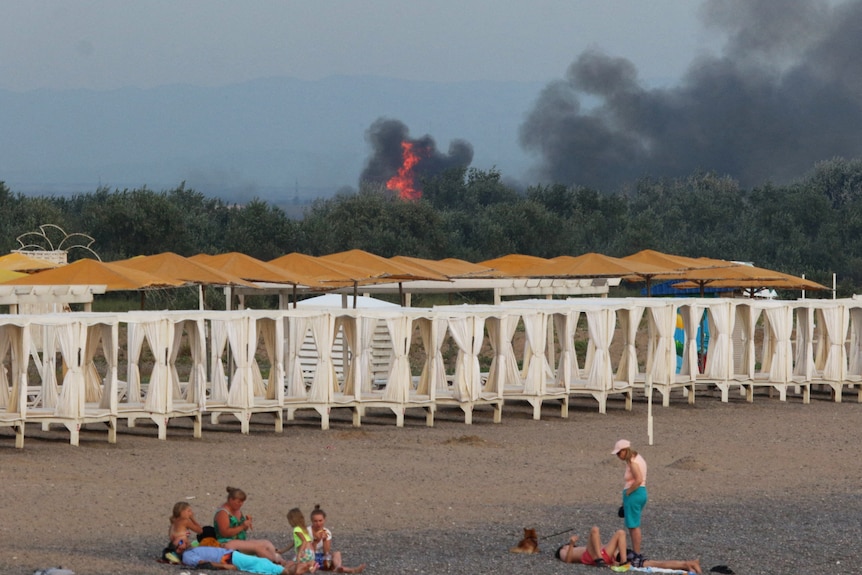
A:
[597,555]
[206,557]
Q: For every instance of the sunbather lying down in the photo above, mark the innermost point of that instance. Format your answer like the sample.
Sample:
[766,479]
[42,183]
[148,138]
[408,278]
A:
[206,557]
[611,554]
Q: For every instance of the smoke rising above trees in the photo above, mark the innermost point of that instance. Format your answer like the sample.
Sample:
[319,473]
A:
[784,93]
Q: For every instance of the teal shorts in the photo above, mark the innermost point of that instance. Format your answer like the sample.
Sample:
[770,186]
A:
[634,505]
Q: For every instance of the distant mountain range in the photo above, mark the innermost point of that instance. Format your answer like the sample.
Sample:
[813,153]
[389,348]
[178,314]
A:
[280,139]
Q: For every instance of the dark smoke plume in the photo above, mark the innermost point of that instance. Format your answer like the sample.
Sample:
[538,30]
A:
[785,92]
[385,136]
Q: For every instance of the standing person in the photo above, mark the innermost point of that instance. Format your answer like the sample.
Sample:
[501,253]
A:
[634,493]
[322,542]
[232,527]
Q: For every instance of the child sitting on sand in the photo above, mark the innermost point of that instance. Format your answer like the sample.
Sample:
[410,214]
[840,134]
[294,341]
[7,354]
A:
[301,541]
[328,559]
[183,523]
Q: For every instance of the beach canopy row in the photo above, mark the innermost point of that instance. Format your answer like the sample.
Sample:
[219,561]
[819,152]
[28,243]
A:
[589,273]
[74,369]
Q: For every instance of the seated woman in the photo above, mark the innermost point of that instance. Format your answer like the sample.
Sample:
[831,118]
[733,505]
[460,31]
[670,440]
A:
[232,528]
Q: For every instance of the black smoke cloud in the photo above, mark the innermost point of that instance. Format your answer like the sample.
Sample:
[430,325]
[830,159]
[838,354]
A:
[784,93]
[385,136]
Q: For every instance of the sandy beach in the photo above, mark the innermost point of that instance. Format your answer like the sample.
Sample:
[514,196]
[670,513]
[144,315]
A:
[764,487]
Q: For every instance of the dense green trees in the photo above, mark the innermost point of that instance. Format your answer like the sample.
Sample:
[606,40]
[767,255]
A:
[812,226]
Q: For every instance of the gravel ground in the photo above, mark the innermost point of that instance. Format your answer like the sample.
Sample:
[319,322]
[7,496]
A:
[767,487]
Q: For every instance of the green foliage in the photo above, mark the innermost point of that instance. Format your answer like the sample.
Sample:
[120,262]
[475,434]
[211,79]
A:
[812,226]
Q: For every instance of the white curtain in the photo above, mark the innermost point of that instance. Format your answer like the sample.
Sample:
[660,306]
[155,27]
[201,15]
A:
[351,359]
[692,316]
[323,331]
[567,369]
[601,323]
[398,383]
[743,330]
[269,329]
[297,327]
[365,375]
[467,334]
[48,363]
[835,323]
[134,345]
[780,322]
[630,320]
[433,377]
[71,402]
[504,366]
[159,398]
[218,372]
[661,354]
[804,364]
[5,345]
[535,368]
[719,358]
[855,366]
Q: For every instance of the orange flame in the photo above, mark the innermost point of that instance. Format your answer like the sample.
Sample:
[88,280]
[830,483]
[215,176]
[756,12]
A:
[405,181]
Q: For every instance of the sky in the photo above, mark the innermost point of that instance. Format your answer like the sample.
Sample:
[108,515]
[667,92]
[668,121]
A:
[109,44]
[759,90]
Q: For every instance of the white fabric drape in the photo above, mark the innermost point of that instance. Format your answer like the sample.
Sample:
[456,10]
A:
[630,320]
[661,353]
[854,367]
[159,397]
[835,324]
[433,378]
[5,346]
[601,323]
[351,359]
[504,365]
[50,386]
[323,331]
[367,327]
[804,364]
[71,401]
[398,383]
[780,322]
[467,334]
[297,328]
[134,345]
[719,358]
[743,330]
[536,368]
[566,324]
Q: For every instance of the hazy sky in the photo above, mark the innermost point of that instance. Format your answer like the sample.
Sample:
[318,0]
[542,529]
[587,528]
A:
[106,44]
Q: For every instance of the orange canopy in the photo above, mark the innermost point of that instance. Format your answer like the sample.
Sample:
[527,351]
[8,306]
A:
[593,265]
[519,265]
[451,268]
[329,273]
[18,262]
[6,275]
[176,267]
[92,272]
[253,269]
[382,268]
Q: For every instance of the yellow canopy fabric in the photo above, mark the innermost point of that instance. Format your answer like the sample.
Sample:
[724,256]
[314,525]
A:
[176,267]
[451,267]
[19,262]
[382,268]
[253,269]
[329,273]
[6,275]
[519,265]
[594,265]
[93,272]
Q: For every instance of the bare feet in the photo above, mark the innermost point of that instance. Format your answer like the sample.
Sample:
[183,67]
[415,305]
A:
[694,566]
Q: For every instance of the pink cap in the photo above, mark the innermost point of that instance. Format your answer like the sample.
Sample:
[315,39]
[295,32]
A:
[620,445]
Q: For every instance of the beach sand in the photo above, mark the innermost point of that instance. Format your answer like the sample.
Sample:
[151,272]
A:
[764,487]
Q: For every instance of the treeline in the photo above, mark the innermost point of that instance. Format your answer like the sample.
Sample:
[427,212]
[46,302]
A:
[812,226]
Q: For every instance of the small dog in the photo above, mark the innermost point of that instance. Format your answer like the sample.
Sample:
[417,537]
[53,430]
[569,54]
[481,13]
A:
[529,544]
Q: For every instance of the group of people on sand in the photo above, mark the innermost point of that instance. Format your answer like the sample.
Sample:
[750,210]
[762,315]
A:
[226,544]
[615,553]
